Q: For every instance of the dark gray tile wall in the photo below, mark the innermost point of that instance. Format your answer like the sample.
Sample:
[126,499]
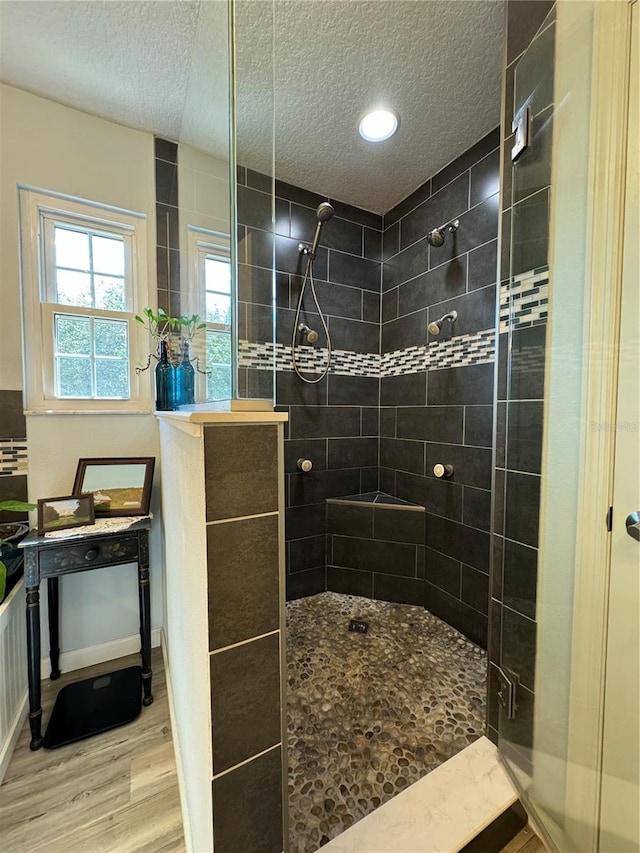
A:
[241,470]
[13,452]
[167,226]
[335,422]
[444,415]
[528,79]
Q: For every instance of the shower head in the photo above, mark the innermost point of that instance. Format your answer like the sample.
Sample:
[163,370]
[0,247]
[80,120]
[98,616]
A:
[435,238]
[324,212]
[436,326]
[310,334]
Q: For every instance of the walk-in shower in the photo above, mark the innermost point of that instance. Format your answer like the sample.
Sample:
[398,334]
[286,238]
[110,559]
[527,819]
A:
[436,237]
[324,213]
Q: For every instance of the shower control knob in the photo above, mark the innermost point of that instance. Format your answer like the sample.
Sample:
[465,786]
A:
[305,465]
[443,471]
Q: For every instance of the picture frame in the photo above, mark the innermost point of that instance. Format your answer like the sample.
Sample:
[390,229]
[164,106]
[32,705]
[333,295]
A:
[121,486]
[65,512]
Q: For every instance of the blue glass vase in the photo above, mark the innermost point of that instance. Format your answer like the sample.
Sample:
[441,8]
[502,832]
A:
[185,378]
[165,381]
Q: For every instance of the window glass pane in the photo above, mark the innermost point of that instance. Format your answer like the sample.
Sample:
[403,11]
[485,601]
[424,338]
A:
[218,347]
[74,376]
[73,288]
[108,255]
[217,275]
[72,248]
[73,335]
[218,308]
[110,293]
[219,382]
[111,338]
[112,377]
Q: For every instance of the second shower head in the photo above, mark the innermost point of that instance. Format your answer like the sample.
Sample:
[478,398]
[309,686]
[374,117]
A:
[436,326]
[435,238]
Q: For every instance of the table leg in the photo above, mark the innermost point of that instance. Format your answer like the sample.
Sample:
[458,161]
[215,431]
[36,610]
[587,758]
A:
[145,617]
[33,662]
[53,599]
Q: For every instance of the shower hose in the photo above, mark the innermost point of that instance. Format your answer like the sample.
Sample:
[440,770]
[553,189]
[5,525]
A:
[308,277]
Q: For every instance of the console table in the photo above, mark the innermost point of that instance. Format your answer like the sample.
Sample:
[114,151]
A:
[108,542]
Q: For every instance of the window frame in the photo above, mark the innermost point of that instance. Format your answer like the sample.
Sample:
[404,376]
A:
[39,211]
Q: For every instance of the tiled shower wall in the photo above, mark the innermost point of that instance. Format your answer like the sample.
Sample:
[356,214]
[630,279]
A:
[335,422]
[524,279]
[13,452]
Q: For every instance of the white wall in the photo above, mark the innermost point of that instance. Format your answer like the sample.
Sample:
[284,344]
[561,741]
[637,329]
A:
[56,148]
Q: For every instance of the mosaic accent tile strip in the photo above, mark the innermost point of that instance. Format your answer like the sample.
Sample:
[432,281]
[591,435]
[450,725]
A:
[460,351]
[13,456]
[370,714]
[525,300]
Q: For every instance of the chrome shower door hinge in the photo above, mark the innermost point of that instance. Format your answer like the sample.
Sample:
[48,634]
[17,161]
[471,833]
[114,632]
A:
[507,692]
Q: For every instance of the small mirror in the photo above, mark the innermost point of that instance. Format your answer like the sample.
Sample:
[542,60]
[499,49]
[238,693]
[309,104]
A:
[119,486]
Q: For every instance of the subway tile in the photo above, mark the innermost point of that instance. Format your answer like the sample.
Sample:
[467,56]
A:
[314,449]
[477,226]
[388,481]
[255,285]
[407,390]
[522,507]
[478,425]
[530,233]
[241,175]
[247,807]
[340,234]
[369,418]
[335,300]
[12,420]
[298,195]
[456,613]
[443,572]
[256,248]
[391,241]
[476,508]
[347,520]
[353,390]
[245,701]
[243,580]
[323,422]
[402,454]
[458,541]
[283,217]
[520,578]
[372,244]
[472,155]
[534,73]
[167,228]
[408,331]
[354,335]
[410,487]
[407,204]
[400,590]
[370,306]
[256,324]
[308,553]
[357,214]
[475,589]
[166,182]
[407,264]
[433,423]
[502,355]
[390,305]
[485,178]
[472,465]
[259,181]
[241,470]
[436,285]
[290,259]
[292,391]
[461,386]
[399,525]
[451,201]
[302,521]
[519,646]
[526,363]
[302,584]
[255,209]
[358,272]
[319,485]
[352,452]
[369,480]
[388,423]
[374,555]
[524,18]
[164,149]
[524,435]
[349,581]
[443,497]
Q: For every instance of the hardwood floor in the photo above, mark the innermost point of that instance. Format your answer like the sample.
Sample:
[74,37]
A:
[113,792]
[526,841]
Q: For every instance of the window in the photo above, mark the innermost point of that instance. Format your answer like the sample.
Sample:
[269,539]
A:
[212,285]
[83,273]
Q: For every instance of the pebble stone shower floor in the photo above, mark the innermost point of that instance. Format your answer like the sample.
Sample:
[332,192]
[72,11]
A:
[369,714]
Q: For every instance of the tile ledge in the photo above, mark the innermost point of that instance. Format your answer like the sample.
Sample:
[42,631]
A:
[440,813]
[226,411]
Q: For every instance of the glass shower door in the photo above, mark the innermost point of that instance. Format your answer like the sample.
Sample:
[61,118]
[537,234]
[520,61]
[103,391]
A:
[560,311]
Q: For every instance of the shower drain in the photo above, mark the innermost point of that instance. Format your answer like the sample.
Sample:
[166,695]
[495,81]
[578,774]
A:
[358,626]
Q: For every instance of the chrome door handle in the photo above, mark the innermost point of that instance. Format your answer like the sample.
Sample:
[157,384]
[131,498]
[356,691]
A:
[633,525]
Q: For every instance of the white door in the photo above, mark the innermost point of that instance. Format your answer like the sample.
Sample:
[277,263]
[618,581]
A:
[620,809]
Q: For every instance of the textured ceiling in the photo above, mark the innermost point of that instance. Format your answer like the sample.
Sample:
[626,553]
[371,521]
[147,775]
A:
[161,67]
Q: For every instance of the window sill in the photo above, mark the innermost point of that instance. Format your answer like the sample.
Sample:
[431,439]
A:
[47,412]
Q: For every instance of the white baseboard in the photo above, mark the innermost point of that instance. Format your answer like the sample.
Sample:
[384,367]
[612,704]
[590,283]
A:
[98,654]
[186,826]
[14,733]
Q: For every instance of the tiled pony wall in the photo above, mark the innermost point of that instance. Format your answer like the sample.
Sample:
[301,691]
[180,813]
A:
[397,400]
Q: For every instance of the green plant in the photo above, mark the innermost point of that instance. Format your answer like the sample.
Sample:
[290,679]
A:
[10,506]
[190,326]
[162,327]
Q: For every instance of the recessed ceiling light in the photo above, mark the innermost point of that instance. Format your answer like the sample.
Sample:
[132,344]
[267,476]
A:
[378,125]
